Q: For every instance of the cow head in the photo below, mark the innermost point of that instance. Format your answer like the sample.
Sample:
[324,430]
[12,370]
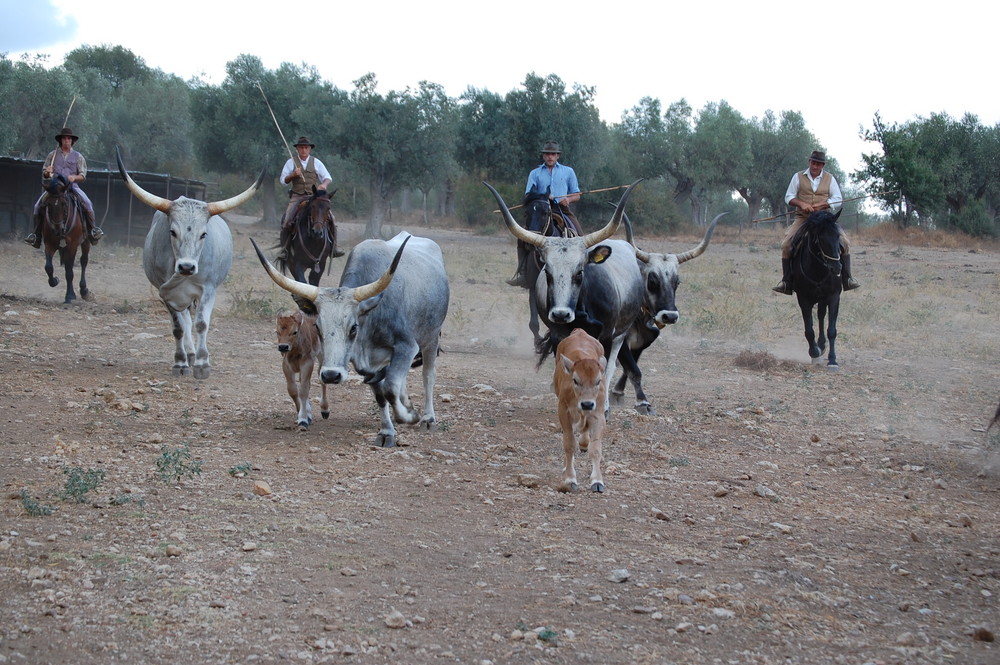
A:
[188,218]
[564,259]
[338,311]
[661,276]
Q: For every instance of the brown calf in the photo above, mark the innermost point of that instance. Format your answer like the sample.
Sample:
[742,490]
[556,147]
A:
[298,342]
[579,385]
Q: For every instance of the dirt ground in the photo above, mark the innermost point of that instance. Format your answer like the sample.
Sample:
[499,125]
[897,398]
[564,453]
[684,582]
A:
[770,512]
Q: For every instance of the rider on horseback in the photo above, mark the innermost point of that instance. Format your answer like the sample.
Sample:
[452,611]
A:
[552,183]
[71,165]
[811,190]
[302,172]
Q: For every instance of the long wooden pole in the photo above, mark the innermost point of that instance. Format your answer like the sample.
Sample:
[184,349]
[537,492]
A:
[790,212]
[284,141]
[66,121]
[589,191]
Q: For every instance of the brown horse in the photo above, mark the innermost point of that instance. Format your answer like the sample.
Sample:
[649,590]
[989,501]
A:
[313,239]
[64,231]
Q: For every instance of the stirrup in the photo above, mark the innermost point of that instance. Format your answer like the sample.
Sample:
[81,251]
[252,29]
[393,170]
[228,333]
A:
[782,287]
[518,280]
[851,284]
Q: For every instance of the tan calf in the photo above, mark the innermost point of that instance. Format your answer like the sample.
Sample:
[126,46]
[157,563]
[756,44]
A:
[298,342]
[579,385]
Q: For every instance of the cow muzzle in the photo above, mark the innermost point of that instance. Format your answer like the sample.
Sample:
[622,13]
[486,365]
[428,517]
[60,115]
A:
[666,317]
[284,348]
[186,267]
[562,315]
[332,375]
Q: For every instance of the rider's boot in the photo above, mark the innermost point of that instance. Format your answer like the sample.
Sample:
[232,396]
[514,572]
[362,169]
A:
[519,278]
[336,251]
[35,237]
[845,273]
[283,242]
[93,230]
[785,285]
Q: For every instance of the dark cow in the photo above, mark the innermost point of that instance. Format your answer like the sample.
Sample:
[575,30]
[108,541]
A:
[661,277]
[587,282]
[388,309]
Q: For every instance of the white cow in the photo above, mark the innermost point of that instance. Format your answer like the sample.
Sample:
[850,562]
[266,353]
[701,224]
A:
[187,255]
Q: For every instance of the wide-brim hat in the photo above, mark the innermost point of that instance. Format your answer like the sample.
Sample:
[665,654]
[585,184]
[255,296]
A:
[304,140]
[818,156]
[551,146]
[66,131]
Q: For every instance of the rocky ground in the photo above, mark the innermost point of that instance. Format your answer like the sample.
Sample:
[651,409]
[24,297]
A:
[770,512]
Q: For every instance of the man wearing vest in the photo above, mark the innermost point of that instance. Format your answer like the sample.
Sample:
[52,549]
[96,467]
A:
[811,190]
[302,172]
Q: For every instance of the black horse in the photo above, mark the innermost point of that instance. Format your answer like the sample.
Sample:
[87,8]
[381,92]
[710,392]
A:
[816,280]
[313,239]
[64,232]
[544,216]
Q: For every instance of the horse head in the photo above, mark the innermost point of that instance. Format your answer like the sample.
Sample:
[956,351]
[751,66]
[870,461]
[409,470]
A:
[315,212]
[824,231]
[57,205]
[542,216]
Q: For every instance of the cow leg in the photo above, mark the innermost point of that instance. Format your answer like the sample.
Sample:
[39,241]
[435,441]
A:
[305,378]
[616,347]
[630,370]
[395,381]
[593,432]
[292,387]
[203,319]
[428,421]
[566,419]
[324,404]
[183,342]
[387,434]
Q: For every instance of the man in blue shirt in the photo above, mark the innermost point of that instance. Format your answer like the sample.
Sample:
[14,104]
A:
[556,182]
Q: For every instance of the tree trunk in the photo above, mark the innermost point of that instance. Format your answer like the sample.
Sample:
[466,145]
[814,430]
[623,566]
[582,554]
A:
[269,202]
[379,199]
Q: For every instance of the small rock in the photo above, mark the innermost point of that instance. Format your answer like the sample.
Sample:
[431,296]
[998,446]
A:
[683,627]
[765,492]
[983,634]
[249,546]
[721,491]
[660,515]
[618,575]
[261,488]
[783,528]
[528,480]
[173,550]
[395,619]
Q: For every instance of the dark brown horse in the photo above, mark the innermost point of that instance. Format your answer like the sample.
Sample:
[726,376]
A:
[313,239]
[64,231]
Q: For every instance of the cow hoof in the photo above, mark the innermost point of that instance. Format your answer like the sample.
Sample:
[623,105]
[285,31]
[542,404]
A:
[428,425]
[325,414]
[385,440]
[597,487]
[202,372]
[181,371]
[567,487]
[303,426]
[617,398]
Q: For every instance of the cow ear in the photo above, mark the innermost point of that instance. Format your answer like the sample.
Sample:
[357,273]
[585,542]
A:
[368,304]
[600,254]
[566,363]
[305,305]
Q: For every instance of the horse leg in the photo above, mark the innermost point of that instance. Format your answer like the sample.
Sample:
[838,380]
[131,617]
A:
[67,258]
[807,320]
[49,270]
[84,260]
[831,358]
[821,308]
[533,325]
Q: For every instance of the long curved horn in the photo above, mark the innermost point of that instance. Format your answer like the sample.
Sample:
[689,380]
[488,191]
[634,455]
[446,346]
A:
[163,205]
[153,201]
[609,230]
[516,229]
[639,254]
[703,245]
[307,291]
[219,207]
[382,283]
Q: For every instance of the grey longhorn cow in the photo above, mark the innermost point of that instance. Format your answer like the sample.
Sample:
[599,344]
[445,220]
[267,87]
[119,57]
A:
[186,256]
[660,278]
[389,308]
[587,282]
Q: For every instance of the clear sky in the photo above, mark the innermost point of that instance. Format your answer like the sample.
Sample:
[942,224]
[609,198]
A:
[838,63]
